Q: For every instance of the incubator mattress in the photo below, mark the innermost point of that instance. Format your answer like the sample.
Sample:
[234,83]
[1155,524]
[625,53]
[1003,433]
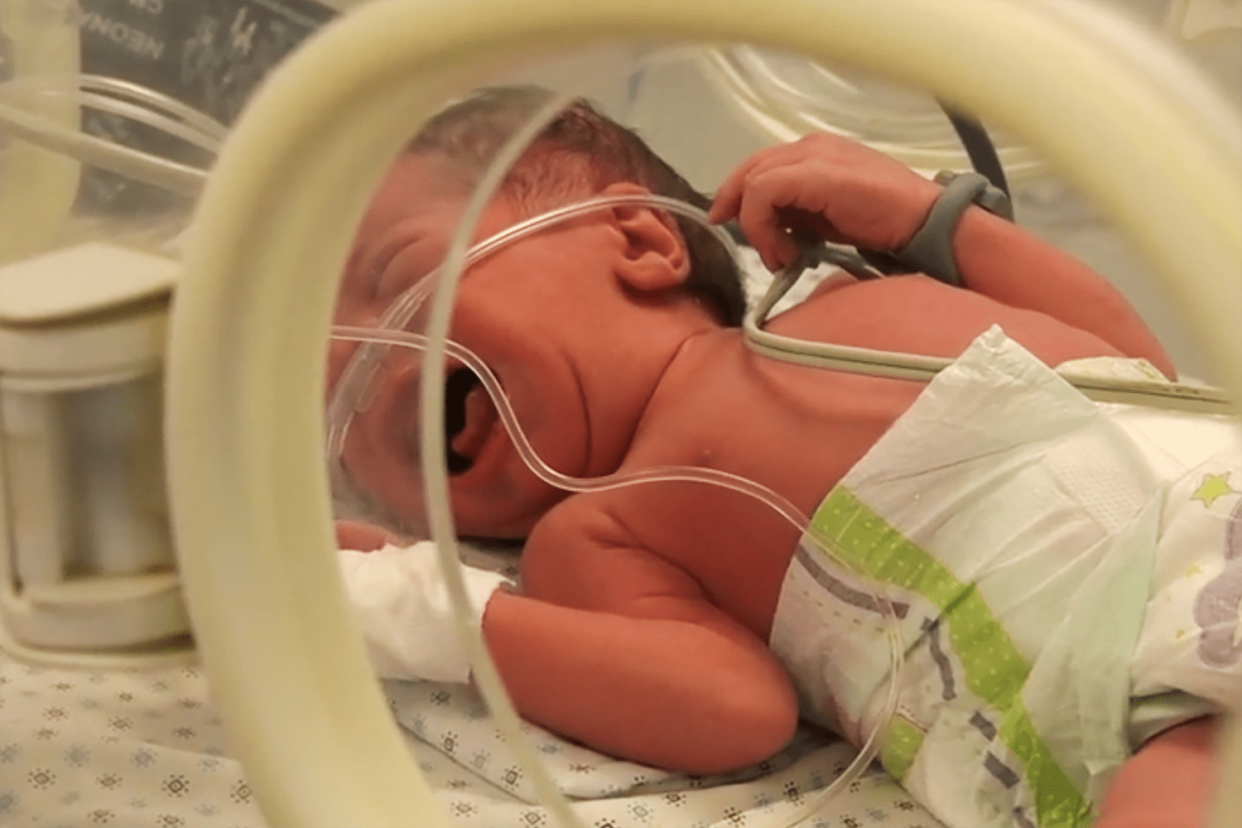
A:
[146,749]
[138,749]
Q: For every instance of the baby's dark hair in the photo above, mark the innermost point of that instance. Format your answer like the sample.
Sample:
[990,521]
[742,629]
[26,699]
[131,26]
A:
[580,150]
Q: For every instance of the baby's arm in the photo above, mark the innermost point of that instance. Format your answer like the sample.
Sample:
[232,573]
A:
[835,189]
[1168,783]
[1004,262]
[613,646]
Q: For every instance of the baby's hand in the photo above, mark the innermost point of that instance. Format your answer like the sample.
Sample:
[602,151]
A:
[826,187]
[365,537]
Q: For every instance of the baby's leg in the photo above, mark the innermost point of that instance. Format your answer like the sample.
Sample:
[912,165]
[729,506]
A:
[1168,783]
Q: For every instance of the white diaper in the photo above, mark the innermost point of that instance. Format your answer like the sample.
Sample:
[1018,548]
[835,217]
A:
[1066,574]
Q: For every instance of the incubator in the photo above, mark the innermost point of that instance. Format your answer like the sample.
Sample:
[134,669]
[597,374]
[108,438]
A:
[171,470]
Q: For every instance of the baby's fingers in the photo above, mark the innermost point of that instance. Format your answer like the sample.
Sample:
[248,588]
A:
[765,203]
[729,197]
[363,537]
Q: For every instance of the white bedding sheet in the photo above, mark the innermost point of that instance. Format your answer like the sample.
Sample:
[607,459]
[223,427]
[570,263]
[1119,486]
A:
[139,749]
[145,749]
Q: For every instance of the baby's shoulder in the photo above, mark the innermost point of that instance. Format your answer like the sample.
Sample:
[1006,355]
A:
[590,535]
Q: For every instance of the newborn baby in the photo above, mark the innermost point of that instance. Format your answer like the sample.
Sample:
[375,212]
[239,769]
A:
[685,625]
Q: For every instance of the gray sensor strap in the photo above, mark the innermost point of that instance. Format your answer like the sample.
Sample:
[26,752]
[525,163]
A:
[930,250]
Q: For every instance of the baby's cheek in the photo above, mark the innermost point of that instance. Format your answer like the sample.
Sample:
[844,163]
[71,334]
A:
[503,511]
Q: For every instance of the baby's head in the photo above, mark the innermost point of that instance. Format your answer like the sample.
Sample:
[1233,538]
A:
[578,321]
[577,155]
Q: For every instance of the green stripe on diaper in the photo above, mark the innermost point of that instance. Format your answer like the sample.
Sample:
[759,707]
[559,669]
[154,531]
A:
[993,668]
[902,741]
[1057,802]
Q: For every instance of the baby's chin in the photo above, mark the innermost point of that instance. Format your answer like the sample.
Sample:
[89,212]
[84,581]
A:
[507,508]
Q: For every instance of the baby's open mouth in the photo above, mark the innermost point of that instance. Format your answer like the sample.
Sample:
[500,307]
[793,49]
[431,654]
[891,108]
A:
[469,418]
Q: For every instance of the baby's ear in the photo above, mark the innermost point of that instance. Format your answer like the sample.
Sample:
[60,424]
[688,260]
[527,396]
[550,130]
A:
[654,256]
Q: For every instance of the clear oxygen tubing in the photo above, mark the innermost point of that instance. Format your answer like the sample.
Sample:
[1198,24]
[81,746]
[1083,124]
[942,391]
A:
[355,386]
[128,100]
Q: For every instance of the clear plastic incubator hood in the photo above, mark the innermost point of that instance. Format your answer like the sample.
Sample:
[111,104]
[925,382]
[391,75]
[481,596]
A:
[203,205]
